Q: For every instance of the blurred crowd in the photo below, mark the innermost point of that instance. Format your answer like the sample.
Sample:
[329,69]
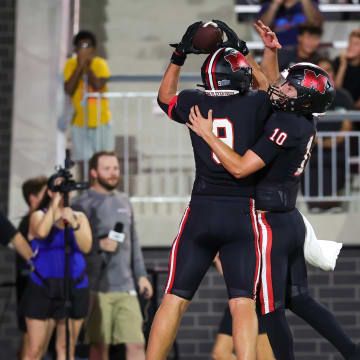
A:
[299,27]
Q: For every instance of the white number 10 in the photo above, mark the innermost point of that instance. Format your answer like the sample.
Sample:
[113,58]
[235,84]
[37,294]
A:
[227,135]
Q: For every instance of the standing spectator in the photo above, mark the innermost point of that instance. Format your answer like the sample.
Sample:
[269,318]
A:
[44,296]
[342,102]
[347,68]
[88,134]
[116,268]
[306,49]
[285,16]
[33,191]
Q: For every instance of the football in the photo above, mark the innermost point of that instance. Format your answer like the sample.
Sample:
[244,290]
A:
[208,38]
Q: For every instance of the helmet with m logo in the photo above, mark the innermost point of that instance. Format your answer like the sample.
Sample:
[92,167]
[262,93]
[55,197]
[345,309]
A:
[315,90]
[226,69]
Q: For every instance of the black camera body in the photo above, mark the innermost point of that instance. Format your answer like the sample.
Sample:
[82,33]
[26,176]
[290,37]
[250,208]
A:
[68,184]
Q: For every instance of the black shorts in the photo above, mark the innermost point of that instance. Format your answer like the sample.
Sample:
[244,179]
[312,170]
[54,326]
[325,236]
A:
[212,224]
[226,323]
[283,271]
[37,304]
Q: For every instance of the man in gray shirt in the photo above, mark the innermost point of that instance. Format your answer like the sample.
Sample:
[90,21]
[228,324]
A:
[115,267]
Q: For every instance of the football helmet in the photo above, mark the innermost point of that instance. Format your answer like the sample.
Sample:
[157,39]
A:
[315,90]
[226,69]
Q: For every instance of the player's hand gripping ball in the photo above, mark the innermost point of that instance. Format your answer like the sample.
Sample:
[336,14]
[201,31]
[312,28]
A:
[208,38]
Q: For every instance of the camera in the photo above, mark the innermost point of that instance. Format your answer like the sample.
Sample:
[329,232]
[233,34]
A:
[68,184]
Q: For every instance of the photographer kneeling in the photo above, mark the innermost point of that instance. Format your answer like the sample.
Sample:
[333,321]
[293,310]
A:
[44,296]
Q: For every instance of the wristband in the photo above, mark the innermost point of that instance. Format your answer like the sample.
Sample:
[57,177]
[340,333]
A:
[178,59]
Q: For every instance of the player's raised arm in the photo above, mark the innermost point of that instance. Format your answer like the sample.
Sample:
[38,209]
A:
[269,64]
[170,81]
[240,45]
[237,165]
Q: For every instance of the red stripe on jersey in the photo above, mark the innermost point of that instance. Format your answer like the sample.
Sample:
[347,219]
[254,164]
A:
[172,103]
[261,284]
[270,293]
[173,253]
[257,250]
[213,68]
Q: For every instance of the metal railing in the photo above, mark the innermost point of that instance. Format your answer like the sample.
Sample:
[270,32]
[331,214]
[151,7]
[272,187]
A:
[157,161]
[331,169]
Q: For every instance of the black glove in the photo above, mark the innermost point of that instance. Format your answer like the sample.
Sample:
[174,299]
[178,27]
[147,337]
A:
[185,46]
[232,39]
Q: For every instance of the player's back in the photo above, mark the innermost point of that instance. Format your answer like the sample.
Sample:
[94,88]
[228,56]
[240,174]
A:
[285,147]
[238,120]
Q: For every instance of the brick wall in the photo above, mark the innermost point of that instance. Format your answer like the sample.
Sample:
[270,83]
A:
[339,290]
[7,46]
[9,335]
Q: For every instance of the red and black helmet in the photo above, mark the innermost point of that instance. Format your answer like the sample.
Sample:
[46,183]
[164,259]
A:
[315,90]
[226,69]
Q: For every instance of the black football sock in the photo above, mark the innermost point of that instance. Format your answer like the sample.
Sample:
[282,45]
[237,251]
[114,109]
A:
[324,322]
[279,334]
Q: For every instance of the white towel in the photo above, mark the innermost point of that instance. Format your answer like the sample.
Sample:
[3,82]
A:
[320,253]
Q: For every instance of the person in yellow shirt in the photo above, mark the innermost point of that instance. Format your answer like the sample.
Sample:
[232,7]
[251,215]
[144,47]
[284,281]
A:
[91,129]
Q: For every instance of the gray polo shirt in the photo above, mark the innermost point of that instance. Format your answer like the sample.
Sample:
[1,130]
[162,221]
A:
[110,272]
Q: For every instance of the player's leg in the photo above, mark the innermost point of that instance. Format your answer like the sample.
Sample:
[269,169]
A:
[224,346]
[276,242]
[315,314]
[165,326]
[240,259]
[245,327]
[324,322]
[279,334]
[191,255]
[264,350]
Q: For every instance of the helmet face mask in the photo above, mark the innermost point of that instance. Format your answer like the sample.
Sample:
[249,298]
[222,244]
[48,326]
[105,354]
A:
[315,90]
[226,69]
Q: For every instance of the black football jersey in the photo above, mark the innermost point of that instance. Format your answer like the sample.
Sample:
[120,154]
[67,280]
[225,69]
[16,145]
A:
[239,121]
[285,146]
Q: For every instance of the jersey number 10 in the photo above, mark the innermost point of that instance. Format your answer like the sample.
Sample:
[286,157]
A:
[224,130]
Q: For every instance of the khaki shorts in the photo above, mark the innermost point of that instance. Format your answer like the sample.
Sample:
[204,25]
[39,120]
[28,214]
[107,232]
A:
[116,319]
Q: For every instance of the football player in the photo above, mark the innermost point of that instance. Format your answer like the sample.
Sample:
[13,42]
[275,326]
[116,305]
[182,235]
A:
[220,216]
[285,146]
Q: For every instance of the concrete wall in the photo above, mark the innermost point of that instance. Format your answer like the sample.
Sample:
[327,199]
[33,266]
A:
[38,92]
